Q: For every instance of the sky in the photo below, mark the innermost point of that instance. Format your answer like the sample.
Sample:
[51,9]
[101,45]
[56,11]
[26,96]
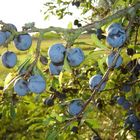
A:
[19,12]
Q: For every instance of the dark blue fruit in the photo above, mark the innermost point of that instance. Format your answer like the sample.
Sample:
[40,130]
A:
[99,34]
[9,59]
[79,24]
[23,42]
[43,60]
[49,102]
[76,3]
[36,84]
[55,69]
[121,100]
[116,35]
[136,126]
[95,80]
[126,88]
[128,123]
[114,25]
[110,60]
[74,129]
[76,22]
[75,56]
[57,53]
[2,37]
[75,107]
[21,87]
[8,33]
[126,105]
[130,51]
[133,118]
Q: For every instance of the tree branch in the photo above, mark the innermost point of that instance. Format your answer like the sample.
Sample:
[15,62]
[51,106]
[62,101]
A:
[75,33]
[120,13]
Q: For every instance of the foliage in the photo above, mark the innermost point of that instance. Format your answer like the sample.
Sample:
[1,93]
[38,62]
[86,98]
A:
[90,10]
[107,113]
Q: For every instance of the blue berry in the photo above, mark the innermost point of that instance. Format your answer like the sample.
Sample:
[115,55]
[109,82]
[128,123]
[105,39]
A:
[121,100]
[95,80]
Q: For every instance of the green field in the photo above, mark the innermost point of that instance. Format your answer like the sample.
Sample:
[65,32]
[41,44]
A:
[45,44]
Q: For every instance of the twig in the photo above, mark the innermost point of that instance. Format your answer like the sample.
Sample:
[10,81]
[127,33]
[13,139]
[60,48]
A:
[73,34]
[120,13]
[36,56]
[93,130]
[96,89]
[136,36]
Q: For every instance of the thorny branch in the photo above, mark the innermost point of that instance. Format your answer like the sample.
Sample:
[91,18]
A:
[70,36]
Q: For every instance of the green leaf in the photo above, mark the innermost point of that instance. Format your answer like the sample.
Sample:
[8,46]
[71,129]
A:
[60,78]
[12,112]
[93,55]
[100,64]
[92,123]
[135,56]
[37,71]
[81,43]
[52,135]
[64,77]
[58,1]
[66,66]
[70,25]
[55,82]
[97,42]
[24,64]
[10,78]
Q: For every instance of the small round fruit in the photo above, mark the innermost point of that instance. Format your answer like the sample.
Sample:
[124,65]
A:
[126,104]
[76,22]
[9,59]
[127,122]
[55,69]
[57,53]
[99,34]
[114,25]
[2,37]
[43,60]
[136,126]
[111,58]
[126,88]
[95,80]
[75,56]
[77,3]
[12,26]
[74,129]
[36,84]
[21,87]
[75,107]
[79,24]
[130,51]
[121,100]
[116,37]
[8,33]
[99,106]
[49,102]
[133,118]
[23,42]
[123,70]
